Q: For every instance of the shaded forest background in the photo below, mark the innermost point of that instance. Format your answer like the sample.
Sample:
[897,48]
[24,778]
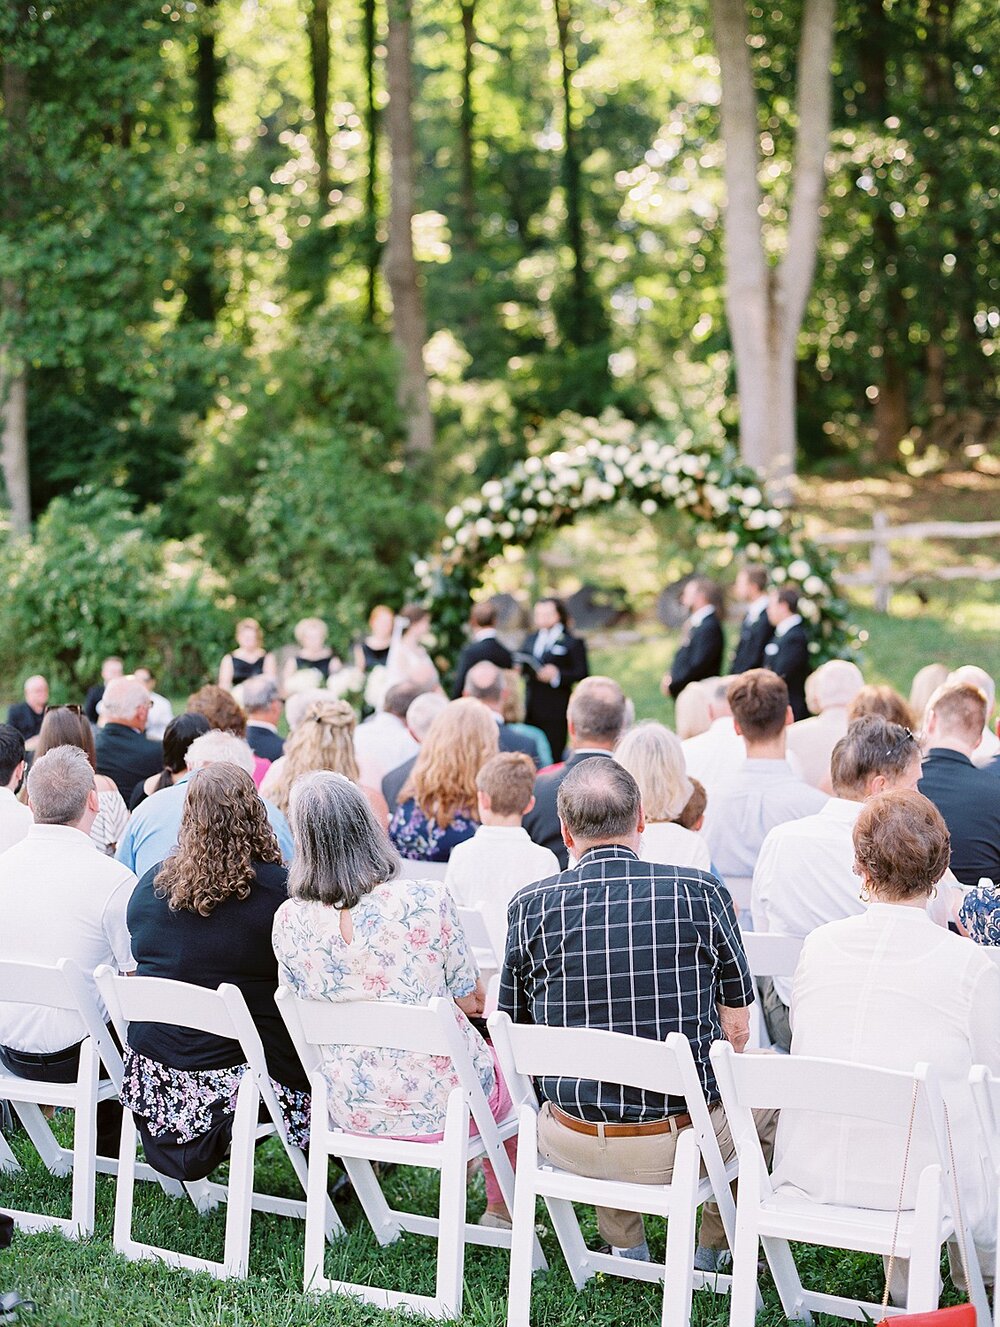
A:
[195,298]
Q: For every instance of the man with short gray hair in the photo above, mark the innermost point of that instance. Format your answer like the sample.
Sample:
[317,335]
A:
[487,683]
[263,704]
[627,946]
[124,753]
[61,898]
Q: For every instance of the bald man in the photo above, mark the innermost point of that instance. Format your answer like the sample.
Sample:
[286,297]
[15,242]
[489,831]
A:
[27,715]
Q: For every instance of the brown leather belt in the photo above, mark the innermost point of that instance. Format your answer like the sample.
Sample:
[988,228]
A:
[671,1124]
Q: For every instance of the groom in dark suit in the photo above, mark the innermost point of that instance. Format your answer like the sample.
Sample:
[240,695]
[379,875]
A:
[700,655]
[560,661]
[483,646]
[756,630]
[788,653]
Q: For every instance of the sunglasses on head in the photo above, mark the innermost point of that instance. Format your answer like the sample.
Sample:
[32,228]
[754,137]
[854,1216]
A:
[73,709]
[895,749]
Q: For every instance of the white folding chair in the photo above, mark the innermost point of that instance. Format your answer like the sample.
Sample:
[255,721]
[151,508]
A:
[477,933]
[431,1030]
[424,870]
[986,1096]
[773,1216]
[769,955]
[667,1067]
[223,1013]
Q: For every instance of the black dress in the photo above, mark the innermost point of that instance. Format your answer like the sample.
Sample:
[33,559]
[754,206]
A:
[373,658]
[320,665]
[242,670]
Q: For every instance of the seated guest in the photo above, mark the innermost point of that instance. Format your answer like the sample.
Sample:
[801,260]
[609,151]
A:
[439,804]
[693,815]
[483,646]
[323,740]
[263,704]
[989,748]
[160,709]
[151,833]
[884,700]
[124,753]
[27,715]
[925,682]
[61,899]
[692,709]
[512,707]
[225,715]
[249,659]
[313,653]
[787,653]
[756,631]
[64,725]
[805,871]
[346,934]
[654,758]
[204,917]
[487,683]
[15,818]
[111,667]
[596,719]
[180,733]
[760,793]
[829,691]
[965,796]
[419,717]
[889,988]
[711,752]
[700,654]
[487,870]
[383,741]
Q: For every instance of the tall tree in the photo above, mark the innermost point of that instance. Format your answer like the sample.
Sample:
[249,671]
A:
[319,71]
[765,303]
[409,323]
[201,303]
[467,123]
[369,22]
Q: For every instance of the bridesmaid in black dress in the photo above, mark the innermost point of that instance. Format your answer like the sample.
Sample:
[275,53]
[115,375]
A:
[249,659]
[373,649]
[313,651]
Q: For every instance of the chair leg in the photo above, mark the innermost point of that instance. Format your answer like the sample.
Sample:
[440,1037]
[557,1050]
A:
[333,1227]
[369,1194]
[57,1160]
[239,1200]
[523,1221]
[85,1147]
[451,1214]
[8,1161]
[923,1285]
[125,1188]
[678,1277]
[786,1276]
[317,1195]
[743,1292]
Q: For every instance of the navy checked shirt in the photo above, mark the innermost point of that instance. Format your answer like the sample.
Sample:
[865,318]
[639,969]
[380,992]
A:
[627,946]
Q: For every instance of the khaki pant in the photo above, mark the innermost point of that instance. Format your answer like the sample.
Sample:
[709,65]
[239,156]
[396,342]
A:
[645,1159]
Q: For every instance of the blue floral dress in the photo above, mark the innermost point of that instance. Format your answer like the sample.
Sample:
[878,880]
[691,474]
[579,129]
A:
[980,914]
[420,839]
[408,946]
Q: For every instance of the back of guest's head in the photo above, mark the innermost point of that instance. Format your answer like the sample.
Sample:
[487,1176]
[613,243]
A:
[872,746]
[224,830]
[596,712]
[178,736]
[484,614]
[58,785]
[215,746]
[959,712]
[123,698]
[695,807]
[259,693]
[902,842]
[599,800]
[508,780]
[652,754]
[484,681]
[424,710]
[399,698]
[11,752]
[63,726]
[219,708]
[692,710]
[976,677]
[833,684]
[298,703]
[341,851]
[323,740]
[759,702]
[512,702]
[884,700]
[925,682]
[458,743]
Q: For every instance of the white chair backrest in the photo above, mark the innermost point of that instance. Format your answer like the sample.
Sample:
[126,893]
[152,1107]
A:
[772,955]
[423,870]
[986,1095]
[62,987]
[477,933]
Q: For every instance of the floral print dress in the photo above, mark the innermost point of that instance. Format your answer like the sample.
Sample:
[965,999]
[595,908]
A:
[420,839]
[980,914]
[408,946]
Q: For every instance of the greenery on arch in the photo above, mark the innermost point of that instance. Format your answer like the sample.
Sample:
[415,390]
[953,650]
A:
[615,460]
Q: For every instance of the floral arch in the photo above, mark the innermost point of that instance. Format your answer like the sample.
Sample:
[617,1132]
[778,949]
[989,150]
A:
[609,463]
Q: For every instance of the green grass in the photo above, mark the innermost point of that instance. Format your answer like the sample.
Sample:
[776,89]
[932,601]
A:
[87,1285]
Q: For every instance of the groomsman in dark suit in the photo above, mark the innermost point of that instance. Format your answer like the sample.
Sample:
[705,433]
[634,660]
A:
[559,662]
[756,631]
[787,654]
[700,654]
[483,647]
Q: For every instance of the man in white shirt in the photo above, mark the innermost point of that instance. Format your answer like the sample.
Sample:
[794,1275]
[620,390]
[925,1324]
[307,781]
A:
[829,691]
[15,817]
[487,870]
[61,898]
[713,754]
[384,742]
[762,792]
[989,747]
[805,872]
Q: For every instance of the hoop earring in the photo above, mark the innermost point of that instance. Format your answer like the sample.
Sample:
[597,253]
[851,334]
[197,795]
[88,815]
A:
[864,896]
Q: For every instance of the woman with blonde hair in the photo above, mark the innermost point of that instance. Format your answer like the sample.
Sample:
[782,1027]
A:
[313,653]
[249,659]
[439,802]
[322,739]
[653,755]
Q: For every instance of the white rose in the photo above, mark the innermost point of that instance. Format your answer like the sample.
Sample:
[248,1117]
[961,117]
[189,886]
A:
[496,504]
[779,575]
[462,537]
[421,568]
[545,498]
[752,497]
[813,585]
[757,520]
[447,542]
[607,492]
[492,488]
[622,454]
[505,530]
[775,520]
[799,569]
[454,518]
[808,610]
[648,507]
[532,465]
[530,516]
[484,528]
[613,474]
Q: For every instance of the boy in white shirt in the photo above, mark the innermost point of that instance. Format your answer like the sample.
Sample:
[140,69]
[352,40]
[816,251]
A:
[487,870]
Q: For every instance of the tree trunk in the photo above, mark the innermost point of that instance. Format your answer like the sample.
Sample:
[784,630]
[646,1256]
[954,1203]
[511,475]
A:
[371,180]
[319,69]
[201,304]
[13,372]
[467,126]
[409,328]
[572,183]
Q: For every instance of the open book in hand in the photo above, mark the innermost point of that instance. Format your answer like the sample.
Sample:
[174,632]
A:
[525,660]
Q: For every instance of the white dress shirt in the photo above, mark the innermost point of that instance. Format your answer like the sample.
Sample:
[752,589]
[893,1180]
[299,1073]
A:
[757,609]
[673,845]
[382,743]
[783,628]
[889,988]
[487,870]
[711,756]
[15,819]
[60,897]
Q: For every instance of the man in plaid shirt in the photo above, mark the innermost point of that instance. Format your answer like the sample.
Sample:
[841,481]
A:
[627,946]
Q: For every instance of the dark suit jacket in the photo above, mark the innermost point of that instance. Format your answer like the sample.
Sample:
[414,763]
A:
[542,822]
[754,636]
[700,657]
[512,741]
[969,800]
[545,703]
[489,650]
[93,698]
[392,783]
[789,658]
[993,768]
[264,743]
[22,717]
[126,756]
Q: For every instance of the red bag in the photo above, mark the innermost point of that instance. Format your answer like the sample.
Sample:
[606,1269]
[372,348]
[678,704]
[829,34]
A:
[962,1315]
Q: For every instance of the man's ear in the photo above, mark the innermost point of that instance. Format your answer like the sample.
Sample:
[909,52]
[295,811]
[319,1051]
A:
[93,801]
[484,801]
[567,837]
[739,730]
[529,807]
[642,819]
[789,717]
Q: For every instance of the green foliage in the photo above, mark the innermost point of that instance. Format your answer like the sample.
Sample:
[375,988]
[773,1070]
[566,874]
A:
[95,580]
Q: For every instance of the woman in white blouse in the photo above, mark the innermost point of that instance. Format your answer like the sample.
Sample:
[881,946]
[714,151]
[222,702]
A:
[889,988]
[655,759]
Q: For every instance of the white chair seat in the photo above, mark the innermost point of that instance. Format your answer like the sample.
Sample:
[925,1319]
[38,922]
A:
[831,1223]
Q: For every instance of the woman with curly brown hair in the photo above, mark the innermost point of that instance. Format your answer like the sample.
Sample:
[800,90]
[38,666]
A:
[323,739]
[204,916]
[439,802]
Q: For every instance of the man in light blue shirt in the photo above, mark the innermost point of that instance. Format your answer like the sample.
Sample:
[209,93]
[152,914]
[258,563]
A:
[152,830]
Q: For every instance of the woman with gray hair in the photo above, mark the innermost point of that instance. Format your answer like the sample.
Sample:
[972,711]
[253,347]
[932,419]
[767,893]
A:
[352,929]
[653,755]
